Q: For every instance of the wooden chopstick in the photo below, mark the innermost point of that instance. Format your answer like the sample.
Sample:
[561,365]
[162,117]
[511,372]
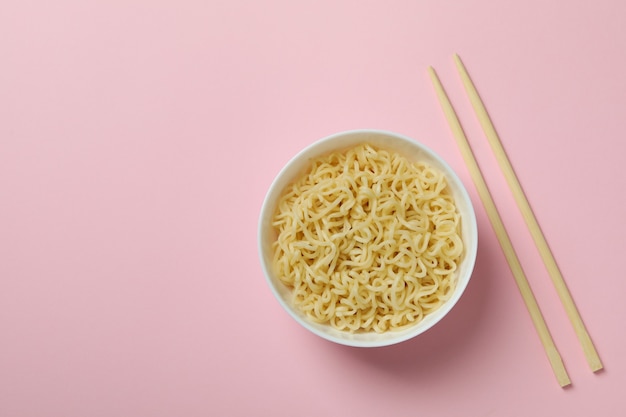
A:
[531,222]
[505,242]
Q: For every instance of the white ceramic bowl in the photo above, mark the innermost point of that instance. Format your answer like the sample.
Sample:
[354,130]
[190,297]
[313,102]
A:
[411,149]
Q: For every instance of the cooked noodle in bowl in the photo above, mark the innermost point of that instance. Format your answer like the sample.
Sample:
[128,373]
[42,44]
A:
[367,238]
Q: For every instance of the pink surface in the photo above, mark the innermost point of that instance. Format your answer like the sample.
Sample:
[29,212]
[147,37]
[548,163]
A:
[138,138]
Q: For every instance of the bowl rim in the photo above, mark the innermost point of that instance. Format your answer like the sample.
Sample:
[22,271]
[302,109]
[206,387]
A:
[393,337]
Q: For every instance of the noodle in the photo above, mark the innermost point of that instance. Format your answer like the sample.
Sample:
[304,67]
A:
[368,240]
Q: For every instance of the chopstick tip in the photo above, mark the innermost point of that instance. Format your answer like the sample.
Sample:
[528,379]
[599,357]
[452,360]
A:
[432,73]
[457,60]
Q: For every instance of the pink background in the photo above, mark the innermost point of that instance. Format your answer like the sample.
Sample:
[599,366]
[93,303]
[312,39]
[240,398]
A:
[137,141]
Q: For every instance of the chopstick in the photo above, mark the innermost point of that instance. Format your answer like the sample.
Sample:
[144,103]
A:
[505,242]
[531,221]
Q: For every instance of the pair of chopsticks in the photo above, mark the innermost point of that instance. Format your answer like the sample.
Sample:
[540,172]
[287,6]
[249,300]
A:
[505,242]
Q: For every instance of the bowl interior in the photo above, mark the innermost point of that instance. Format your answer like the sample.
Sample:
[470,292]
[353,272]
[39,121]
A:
[411,150]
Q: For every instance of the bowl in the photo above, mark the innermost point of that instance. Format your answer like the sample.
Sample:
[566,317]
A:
[412,150]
